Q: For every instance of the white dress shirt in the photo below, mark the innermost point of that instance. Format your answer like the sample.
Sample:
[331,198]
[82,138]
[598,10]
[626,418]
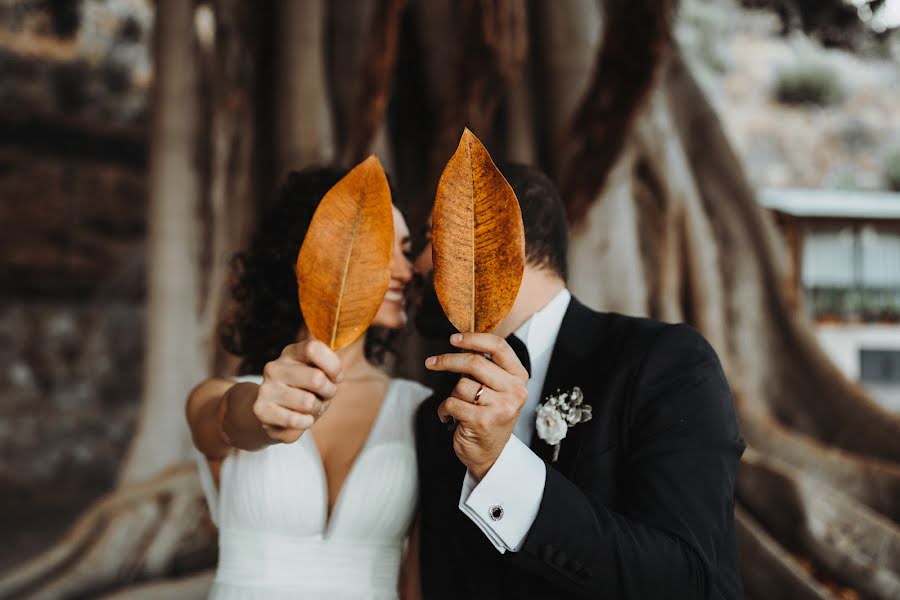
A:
[505,502]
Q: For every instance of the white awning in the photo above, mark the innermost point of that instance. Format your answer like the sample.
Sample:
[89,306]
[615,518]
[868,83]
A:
[832,203]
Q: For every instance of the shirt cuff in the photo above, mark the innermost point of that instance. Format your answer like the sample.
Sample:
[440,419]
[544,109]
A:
[506,501]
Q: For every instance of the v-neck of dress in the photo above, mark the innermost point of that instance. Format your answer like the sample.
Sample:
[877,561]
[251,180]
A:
[330,515]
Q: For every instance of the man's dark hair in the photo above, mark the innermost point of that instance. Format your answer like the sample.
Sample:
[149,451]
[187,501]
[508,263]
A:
[546,230]
[546,241]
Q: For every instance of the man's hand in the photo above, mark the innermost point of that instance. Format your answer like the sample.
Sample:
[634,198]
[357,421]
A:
[486,401]
[296,389]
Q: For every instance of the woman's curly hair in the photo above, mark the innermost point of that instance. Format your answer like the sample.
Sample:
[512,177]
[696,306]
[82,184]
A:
[267,316]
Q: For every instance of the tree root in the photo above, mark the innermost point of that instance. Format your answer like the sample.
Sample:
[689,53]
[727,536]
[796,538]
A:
[142,531]
[874,483]
[768,570]
[851,543]
[788,374]
[192,587]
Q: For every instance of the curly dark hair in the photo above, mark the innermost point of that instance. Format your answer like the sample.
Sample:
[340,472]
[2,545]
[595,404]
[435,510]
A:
[267,317]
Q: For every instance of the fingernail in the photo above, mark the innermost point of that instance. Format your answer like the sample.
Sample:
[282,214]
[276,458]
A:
[456,338]
[430,361]
[340,377]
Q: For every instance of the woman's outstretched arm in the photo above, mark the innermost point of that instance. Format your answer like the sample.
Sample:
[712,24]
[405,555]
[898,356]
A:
[296,387]
[220,416]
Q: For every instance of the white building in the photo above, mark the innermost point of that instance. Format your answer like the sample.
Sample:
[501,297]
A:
[845,251]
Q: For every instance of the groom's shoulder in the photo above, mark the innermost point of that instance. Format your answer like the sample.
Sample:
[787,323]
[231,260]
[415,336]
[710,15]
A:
[637,336]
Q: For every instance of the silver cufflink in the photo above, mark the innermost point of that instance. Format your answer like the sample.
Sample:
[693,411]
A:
[496,512]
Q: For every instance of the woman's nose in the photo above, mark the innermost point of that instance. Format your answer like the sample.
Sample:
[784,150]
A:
[402,268]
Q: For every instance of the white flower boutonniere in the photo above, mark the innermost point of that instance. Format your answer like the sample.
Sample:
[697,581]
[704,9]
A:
[559,412]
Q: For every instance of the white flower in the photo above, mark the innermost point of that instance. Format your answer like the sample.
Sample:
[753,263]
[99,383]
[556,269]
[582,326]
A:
[551,425]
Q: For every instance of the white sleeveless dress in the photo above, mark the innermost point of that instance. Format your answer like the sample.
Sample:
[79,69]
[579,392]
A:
[275,539]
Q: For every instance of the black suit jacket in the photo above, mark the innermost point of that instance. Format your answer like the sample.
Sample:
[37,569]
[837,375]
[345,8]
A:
[639,504]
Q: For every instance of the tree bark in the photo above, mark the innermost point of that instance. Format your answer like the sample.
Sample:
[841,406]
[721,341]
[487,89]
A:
[305,120]
[191,587]
[232,142]
[176,354]
[567,36]
[364,37]
[852,544]
[768,570]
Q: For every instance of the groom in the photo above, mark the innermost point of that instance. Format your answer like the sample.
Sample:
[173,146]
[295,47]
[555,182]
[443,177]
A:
[636,503]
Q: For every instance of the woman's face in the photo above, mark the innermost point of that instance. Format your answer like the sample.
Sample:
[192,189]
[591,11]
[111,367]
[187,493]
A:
[392,312]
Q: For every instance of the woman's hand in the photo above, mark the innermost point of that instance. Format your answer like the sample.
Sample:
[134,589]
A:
[296,389]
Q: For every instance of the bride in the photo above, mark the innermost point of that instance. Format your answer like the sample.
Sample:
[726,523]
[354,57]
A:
[308,460]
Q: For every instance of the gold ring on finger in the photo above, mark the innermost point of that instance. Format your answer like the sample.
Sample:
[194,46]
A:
[478,394]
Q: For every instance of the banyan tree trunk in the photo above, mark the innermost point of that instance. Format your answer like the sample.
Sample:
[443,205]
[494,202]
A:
[659,204]
[304,114]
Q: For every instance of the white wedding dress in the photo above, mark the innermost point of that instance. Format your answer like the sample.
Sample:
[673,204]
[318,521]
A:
[275,538]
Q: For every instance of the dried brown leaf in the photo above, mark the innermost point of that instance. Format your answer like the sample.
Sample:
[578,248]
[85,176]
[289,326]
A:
[344,266]
[478,240]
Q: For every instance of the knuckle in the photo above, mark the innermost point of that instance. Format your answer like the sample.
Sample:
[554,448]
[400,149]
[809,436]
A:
[270,370]
[318,379]
[266,394]
[258,410]
[306,402]
[521,393]
[314,349]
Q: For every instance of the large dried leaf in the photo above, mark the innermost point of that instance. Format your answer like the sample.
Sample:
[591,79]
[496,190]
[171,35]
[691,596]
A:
[478,240]
[344,265]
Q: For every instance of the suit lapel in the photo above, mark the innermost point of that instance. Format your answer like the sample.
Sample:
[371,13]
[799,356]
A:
[578,334]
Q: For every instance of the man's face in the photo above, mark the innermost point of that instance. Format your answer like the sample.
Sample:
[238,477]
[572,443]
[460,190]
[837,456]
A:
[431,322]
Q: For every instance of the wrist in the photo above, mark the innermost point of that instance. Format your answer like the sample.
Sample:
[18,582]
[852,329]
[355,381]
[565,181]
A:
[478,472]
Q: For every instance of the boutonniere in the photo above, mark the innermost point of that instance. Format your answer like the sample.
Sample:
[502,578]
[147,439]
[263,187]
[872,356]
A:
[559,412]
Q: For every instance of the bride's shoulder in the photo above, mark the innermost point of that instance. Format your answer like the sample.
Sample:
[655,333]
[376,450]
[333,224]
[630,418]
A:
[411,391]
